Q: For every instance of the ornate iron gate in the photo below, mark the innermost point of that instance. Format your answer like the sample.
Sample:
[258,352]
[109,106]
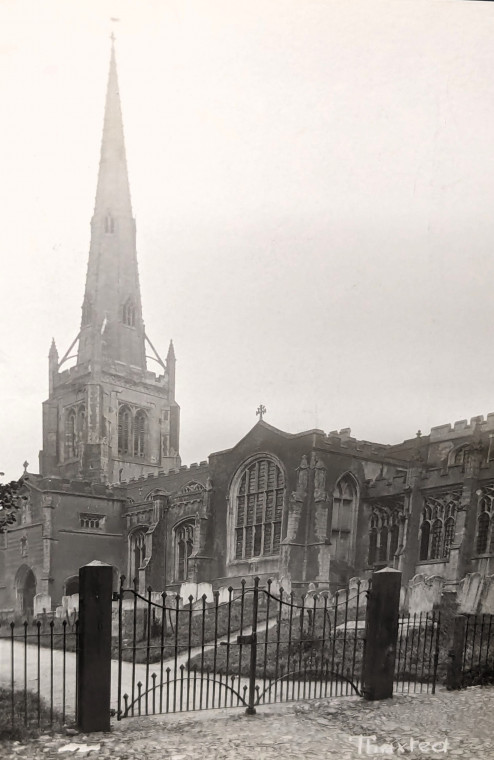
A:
[250,646]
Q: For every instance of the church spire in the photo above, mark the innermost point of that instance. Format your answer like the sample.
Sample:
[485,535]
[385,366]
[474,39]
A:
[110,419]
[112,328]
[113,193]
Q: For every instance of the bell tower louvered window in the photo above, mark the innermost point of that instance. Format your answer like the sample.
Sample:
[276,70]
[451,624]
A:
[260,498]
[129,313]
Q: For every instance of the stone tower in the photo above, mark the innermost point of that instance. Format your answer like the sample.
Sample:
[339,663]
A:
[107,417]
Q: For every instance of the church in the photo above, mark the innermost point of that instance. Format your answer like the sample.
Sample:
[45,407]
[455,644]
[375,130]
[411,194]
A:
[304,508]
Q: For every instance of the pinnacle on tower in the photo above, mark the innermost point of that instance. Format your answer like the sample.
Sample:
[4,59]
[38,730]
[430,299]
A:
[171,352]
[53,352]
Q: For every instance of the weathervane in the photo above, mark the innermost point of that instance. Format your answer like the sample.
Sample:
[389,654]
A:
[260,411]
[112,35]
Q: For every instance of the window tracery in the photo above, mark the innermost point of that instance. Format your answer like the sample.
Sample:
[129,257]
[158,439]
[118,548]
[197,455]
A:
[344,506]
[124,430]
[137,551]
[437,529]
[384,532]
[140,426]
[259,496]
[184,544]
[484,542]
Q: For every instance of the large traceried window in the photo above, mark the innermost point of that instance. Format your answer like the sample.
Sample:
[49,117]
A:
[260,497]
[184,543]
[344,504]
[124,430]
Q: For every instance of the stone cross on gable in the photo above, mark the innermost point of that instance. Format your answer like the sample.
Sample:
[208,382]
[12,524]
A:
[261,410]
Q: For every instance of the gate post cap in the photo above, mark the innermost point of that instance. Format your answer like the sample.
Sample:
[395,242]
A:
[97,563]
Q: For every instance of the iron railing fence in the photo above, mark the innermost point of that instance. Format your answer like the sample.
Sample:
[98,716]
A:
[38,672]
[477,663]
[417,653]
[252,647]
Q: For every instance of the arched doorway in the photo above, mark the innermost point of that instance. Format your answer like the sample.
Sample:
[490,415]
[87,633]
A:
[25,582]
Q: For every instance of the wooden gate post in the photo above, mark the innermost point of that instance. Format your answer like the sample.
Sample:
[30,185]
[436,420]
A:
[454,674]
[381,633]
[94,660]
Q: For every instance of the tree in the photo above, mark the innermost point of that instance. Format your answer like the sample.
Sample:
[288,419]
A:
[10,501]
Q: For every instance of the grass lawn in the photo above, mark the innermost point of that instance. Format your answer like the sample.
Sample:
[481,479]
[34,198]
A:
[184,628]
[43,631]
[21,729]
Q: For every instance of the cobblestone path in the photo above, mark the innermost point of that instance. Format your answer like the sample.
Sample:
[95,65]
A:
[328,729]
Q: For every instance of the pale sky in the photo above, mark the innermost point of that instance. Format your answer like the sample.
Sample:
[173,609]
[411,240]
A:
[313,185]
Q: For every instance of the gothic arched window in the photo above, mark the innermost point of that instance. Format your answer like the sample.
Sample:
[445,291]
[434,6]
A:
[129,313]
[485,521]
[437,531]
[384,532]
[425,532]
[140,427]
[70,433]
[436,539]
[383,544]
[259,495]
[124,430]
[81,424]
[184,543]
[344,505]
[459,455]
[372,540]
[449,535]
[483,532]
[393,541]
[137,551]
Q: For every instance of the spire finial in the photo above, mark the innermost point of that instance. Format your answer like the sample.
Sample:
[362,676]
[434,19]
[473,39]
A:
[112,35]
[171,352]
